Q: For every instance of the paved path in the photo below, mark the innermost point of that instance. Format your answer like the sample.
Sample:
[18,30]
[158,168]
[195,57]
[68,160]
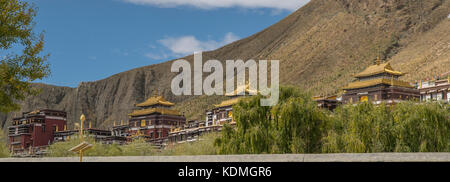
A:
[365,157]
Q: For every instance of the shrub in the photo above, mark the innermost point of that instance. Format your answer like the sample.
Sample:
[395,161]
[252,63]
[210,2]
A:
[135,148]
[204,146]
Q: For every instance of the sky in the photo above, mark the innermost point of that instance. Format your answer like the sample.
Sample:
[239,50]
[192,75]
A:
[90,40]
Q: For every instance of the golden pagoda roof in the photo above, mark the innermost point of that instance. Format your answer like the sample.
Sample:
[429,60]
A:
[155,100]
[154,110]
[246,89]
[373,82]
[228,102]
[377,69]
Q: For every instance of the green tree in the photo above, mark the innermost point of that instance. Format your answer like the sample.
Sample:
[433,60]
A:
[361,128]
[422,127]
[21,59]
[404,127]
[294,125]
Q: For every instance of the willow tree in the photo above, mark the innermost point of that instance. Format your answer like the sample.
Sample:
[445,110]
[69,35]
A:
[422,127]
[361,128]
[294,125]
[21,59]
[404,127]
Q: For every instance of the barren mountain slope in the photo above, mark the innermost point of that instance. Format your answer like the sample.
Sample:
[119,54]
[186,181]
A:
[428,55]
[319,47]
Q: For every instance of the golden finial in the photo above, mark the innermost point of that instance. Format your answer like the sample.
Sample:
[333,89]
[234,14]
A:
[65,127]
[378,60]
[90,124]
[114,123]
[121,122]
[156,92]
[82,117]
[392,80]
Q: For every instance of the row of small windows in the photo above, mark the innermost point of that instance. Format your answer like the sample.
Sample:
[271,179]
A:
[434,96]
[27,121]
[143,123]
[226,114]
[159,134]
[365,98]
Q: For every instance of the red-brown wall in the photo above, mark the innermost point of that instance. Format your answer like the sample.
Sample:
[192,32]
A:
[43,138]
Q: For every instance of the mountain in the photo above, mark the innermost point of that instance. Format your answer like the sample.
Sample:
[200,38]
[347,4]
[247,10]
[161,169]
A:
[319,47]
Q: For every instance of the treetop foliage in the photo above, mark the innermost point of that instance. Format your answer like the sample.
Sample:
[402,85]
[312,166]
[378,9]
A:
[21,61]
[297,125]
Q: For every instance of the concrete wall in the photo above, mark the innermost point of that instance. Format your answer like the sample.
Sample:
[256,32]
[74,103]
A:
[364,157]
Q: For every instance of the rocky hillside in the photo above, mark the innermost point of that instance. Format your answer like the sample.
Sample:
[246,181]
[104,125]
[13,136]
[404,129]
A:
[319,47]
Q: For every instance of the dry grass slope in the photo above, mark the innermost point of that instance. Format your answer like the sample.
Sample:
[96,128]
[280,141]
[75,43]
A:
[320,46]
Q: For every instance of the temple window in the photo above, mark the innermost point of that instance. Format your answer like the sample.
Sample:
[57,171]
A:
[364,99]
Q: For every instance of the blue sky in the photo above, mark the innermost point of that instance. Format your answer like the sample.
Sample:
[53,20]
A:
[90,40]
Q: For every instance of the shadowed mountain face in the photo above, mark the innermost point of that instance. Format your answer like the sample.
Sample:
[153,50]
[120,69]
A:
[319,47]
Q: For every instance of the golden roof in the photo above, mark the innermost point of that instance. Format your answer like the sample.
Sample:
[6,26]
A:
[373,82]
[155,100]
[247,90]
[154,110]
[377,69]
[35,112]
[228,102]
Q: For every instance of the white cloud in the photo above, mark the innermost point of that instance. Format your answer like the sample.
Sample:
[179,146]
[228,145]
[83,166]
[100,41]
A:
[189,44]
[290,5]
[229,38]
[154,56]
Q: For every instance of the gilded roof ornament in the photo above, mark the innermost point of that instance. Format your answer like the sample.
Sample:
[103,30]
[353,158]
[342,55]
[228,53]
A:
[154,101]
[377,69]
